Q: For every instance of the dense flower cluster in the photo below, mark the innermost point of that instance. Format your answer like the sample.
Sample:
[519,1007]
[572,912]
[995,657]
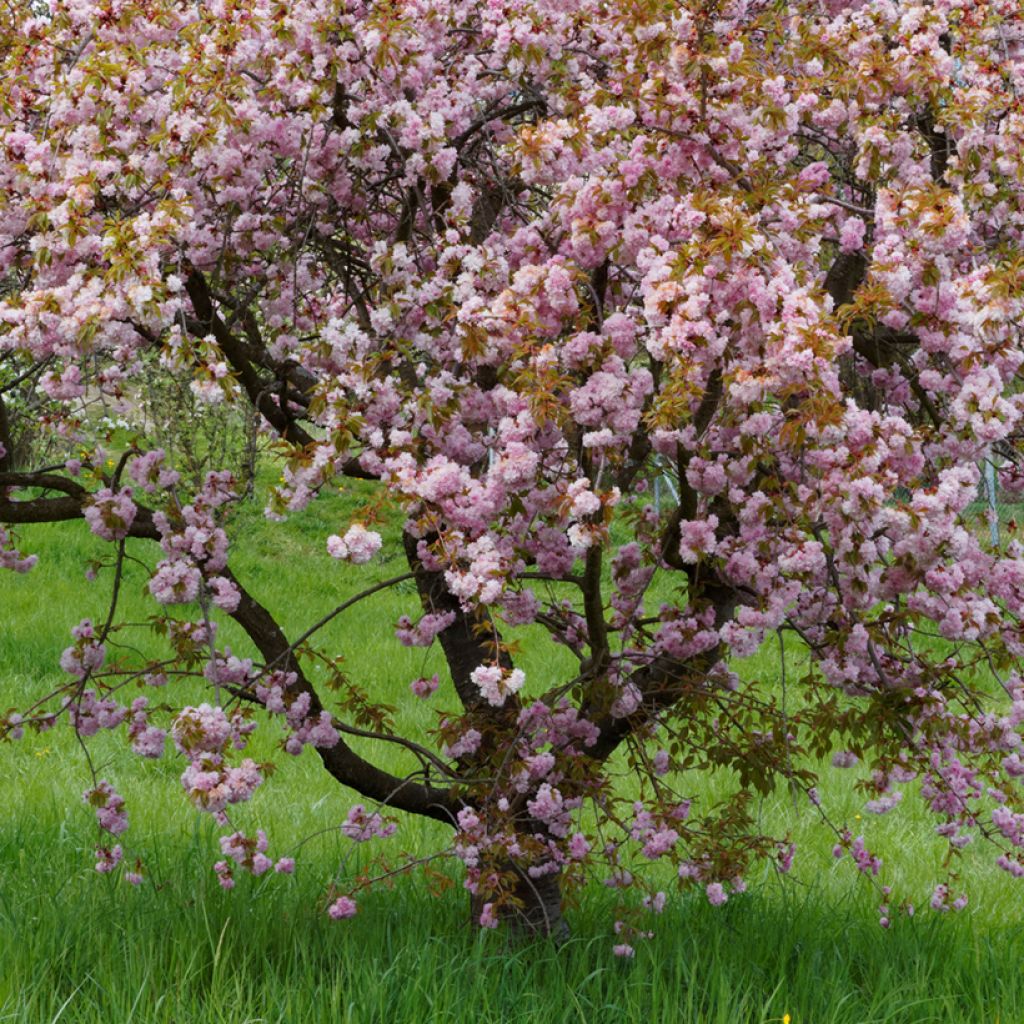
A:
[358,545]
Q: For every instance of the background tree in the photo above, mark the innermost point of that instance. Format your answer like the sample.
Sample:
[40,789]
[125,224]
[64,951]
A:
[515,261]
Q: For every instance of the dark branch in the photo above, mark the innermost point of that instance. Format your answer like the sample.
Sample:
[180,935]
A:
[593,606]
[6,444]
[687,507]
[259,391]
[663,683]
[470,641]
[340,760]
[343,763]
[879,345]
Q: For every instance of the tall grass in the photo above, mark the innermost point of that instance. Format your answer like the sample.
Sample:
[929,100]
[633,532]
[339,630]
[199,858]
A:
[79,947]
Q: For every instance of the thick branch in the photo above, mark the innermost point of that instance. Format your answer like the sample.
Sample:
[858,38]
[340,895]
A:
[46,481]
[687,507]
[39,510]
[940,145]
[939,142]
[340,760]
[845,276]
[504,114]
[235,351]
[470,641]
[6,444]
[593,606]
[879,345]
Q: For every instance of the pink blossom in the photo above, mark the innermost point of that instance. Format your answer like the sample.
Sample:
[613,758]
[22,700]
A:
[225,594]
[149,742]
[697,538]
[225,877]
[86,655]
[659,842]
[175,582]
[108,859]
[851,238]
[109,515]
[149,472]
[362,826]
[642,384]
[422,634]
[578,846]
[358,545]
[109,805]
[423,687]
[496,684]
[342,907]
[716,894]
[786,858]
[656,903]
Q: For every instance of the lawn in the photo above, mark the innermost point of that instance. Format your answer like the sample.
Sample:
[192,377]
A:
[79,947]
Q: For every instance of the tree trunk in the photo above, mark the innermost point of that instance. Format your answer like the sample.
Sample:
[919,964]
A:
[7,461]
[540,912]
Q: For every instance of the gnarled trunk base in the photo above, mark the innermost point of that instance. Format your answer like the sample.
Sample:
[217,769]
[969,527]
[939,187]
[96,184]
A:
[540,910]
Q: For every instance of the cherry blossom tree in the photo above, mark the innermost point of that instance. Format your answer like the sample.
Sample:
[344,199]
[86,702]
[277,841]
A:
[514,261]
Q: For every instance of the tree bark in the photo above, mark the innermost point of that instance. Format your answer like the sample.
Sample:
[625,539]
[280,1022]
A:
[539,909]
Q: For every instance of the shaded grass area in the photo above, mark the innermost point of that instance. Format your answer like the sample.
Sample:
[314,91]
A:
[75,946]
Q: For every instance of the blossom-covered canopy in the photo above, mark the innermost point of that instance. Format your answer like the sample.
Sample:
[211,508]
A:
[521,262]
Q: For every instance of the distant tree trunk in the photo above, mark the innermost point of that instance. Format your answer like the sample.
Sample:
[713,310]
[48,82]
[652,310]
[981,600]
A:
[7,454]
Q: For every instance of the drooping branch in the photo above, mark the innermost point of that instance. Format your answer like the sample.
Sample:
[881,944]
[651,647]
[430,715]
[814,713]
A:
[341,761]
[33,371]
[290,383]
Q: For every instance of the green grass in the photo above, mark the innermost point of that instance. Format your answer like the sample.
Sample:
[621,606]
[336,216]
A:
[78,947]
